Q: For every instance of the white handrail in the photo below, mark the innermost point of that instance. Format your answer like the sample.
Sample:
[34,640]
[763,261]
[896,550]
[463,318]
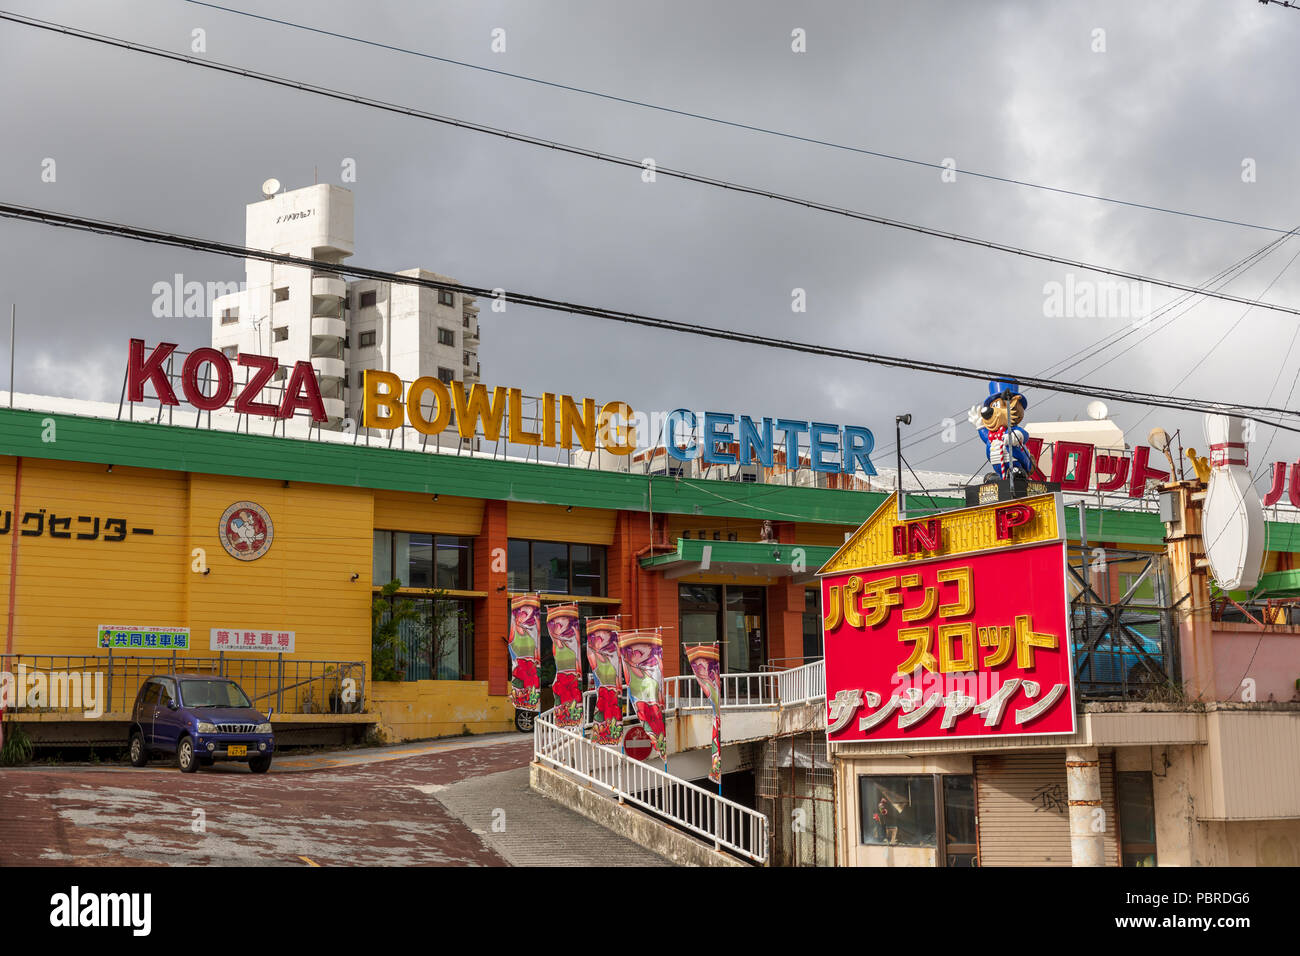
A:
[728,824]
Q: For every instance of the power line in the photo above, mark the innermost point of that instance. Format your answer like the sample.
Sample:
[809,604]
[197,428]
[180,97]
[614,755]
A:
[157,237]
[749,127]
[639,166]
[1222,277]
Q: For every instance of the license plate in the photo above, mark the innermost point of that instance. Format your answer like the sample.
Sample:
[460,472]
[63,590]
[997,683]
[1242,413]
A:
[237,750]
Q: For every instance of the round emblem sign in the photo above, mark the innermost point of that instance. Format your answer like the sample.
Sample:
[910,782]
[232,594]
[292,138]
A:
[246,531]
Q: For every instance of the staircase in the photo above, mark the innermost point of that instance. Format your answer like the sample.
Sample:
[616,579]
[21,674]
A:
[724,823]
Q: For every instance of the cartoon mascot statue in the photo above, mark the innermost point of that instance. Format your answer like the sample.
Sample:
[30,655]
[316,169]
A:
[998,421]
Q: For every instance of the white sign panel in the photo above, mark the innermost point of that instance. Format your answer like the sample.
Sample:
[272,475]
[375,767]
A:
[247,639]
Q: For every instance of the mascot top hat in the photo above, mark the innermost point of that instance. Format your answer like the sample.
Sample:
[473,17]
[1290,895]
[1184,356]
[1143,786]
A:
[998,422]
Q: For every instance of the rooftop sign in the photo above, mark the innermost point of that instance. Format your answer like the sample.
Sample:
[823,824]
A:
[953,625]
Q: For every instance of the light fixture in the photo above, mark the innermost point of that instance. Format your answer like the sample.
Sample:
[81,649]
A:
[207,571]
[355,575]
[568,509]
[110,469]
[435,497]
[286,483]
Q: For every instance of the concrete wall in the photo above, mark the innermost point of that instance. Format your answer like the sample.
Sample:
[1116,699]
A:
[1183,838]
[418,710]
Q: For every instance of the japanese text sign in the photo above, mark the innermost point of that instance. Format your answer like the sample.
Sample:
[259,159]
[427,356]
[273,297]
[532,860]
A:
[951,625]
[137,637]
[244,639]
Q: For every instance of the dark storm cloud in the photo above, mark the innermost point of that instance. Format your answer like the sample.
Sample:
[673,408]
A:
[1166,115]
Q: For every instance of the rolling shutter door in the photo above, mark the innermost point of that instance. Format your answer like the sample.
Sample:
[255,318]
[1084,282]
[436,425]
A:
[1023,811]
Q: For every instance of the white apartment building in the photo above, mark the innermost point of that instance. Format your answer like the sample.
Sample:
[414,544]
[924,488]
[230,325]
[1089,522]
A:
[342,327]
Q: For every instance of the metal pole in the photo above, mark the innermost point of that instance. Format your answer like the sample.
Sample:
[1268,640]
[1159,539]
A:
[898,449]
[13,322]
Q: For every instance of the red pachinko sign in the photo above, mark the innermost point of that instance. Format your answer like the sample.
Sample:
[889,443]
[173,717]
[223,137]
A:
[953,625]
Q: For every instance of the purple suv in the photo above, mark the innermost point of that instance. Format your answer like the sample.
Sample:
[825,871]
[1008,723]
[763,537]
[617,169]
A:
[200,719]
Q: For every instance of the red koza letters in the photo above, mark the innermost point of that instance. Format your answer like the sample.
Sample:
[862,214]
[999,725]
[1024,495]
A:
[302,392]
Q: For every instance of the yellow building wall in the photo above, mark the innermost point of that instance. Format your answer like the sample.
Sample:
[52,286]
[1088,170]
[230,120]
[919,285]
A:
[407,511]
[418,710]
[67,587]
[323,536]
[555,523]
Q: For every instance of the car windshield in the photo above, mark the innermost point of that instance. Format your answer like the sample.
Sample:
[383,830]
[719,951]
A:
[213,693]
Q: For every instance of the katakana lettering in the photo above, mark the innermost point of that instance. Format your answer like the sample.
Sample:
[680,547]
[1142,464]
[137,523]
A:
[1140,473]
[1027,639]
[83,519]
[872,721]
[56,523]
[993,708]
[120,532]
[1025,714]
[963,634]
[878,598]
[955,705]
[842,708]
[965,602]
[39,517]
[920,656]
[914,715]
[1114,465]
[998,638]
[927,606]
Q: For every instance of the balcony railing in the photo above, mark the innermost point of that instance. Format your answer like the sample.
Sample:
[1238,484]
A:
[289,685]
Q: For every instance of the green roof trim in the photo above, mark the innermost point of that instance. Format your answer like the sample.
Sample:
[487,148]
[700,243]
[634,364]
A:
[180,448]
[691,551]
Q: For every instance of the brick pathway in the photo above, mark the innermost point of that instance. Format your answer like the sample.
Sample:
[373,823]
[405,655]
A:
[413,805]
[528,829]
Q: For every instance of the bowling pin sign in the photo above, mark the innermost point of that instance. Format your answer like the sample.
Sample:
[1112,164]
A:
[1233,525]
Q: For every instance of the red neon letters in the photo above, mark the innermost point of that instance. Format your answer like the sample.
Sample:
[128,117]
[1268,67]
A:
[302,391]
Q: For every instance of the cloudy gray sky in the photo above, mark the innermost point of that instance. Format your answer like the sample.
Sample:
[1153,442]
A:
[1182,95]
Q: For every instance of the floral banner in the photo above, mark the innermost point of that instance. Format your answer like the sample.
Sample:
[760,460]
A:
[704,662]
[566,646]
[607,670]
[643,664]
[525,651]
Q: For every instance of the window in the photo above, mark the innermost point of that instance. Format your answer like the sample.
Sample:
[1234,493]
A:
[361,378]
[366,340]
[230,351]
[812,624]
[447,337]
[588,567]
[282,294]
[281,334]
[279,374]
[897,811]
[446,375]
[467,361]
[922,810]
[229,316]
[441,562]
[1137,818]
[446,298]
[436,642]
[367,300]
[554,567]
[958,820]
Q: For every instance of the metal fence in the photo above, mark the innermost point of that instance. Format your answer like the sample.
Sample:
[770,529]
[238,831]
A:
[1124,630]
[727,824]
[290,686]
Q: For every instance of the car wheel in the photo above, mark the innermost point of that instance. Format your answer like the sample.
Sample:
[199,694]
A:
[186,759]
[260,764]
[139,755]
[524,721]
